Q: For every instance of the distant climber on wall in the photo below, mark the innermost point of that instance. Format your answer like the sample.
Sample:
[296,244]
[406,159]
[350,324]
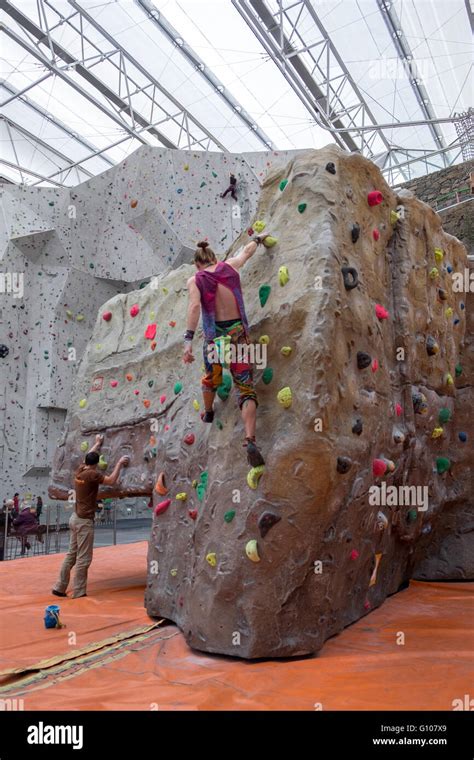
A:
[81,524]
[232,187]
[216,289]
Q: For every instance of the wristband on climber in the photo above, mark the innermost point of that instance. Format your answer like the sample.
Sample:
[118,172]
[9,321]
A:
[188,336]
[257,239]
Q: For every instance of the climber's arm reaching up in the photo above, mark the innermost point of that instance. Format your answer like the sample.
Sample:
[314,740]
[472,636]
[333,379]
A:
[238,261]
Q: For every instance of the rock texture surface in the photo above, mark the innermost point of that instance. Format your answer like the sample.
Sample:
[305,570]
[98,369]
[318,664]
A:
[273,571]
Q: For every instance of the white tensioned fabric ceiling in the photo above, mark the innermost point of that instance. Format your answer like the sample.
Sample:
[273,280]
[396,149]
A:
[84,83]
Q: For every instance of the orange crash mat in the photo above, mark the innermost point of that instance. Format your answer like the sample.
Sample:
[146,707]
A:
[369,666]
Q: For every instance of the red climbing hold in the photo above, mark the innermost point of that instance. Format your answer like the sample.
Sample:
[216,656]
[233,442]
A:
[162,399]
[150,331]
[153,346]
[354,554]
[375,234]
[113,383]
[136,392]
[381,312]
[193,513]
[374,198]
[107,315]
[375,365]
[398,410]
[129,377]
[189,439]
[172,323]
[134,310]
[379,467]
[250,232]
[162,506]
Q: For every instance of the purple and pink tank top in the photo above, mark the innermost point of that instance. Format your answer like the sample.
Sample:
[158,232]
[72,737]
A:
[207,283]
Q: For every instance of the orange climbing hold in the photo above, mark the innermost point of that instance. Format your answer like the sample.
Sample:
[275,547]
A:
[160,486]
[134,203]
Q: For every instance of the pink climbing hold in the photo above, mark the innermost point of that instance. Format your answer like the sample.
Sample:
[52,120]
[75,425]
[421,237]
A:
[162,399]
[367,605]
[134,310]
[379,467]
[107,315]
[375,365]
[354,554]
[381,312]
[162,506]
[374,198]
[375,234]
[398,410]
[136,392]
[167,427]
[150,332]
[113,383]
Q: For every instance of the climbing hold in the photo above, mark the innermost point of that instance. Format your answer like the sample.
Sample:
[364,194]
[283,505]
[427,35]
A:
[264,339]
[135,309]
[254,475]
[442,464]
[212,559]
[80,318]
[420,404]
[344,464]
[263,293]
[398,410]
[382,467]
[200,491]
[107,316]
[434,273]
[150,332]
[224,388]
[284,396]
[146,403]
[84,446]
[432,347]
[193,513]
[259,226]
[439,255]
[381,522]
[102,464]
[448,378]
[82,403]
[113,383]
[357,427]
[330,167]
[267,375]
[129,377]
[196,405]
[363,360]
[172,323]
[251,550]
[355,232]
[229,516]
[136,392]
[186,167]
[394,217]
[286,350]
[412,515]
[302,207]
[178,388]
[134,203]
[449,268]
[162,399]
[354,554]
[174,572]
[442,295]
[350,277]
[219,425]
[4,351]
[398,436]
[374,198]
[266,521]
[375,365]
[182,496]
[189,439]
[462,436]
[194,483]
[375,234]
[162,507]
[160,486]
[458,370]
[437,432]
[381,312]
[165,291]
[250,232]
[269,241]
[283,184]
[448,312]
[69,313]
[204,477]
[151,383]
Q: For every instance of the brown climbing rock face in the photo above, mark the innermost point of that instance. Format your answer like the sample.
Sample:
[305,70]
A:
[271,562]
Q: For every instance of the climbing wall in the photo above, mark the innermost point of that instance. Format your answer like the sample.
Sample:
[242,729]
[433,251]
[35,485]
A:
[355,305]
[71,249]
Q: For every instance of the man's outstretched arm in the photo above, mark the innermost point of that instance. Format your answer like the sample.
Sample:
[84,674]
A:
[109,480]
[238,261]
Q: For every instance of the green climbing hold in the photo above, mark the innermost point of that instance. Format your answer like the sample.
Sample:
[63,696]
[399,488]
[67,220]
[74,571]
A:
[412,515]
[214,175]
[263,293]
[102,465]
[224,388]
[150,383]
[442,464]
[203,184]
[444,415]
[229,516]
[204,478]
[283,184]
[458,370]
[178,388]
[200,491]
[301,207]
[219,425]
[267,375]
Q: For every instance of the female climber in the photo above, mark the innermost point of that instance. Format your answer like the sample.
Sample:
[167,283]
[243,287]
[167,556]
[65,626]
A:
[216,290]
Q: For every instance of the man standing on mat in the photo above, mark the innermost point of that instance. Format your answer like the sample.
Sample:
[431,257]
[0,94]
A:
[216,290]
[81,524]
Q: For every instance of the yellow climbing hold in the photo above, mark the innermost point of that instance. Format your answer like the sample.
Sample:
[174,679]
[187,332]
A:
[394,217]
[165,291]
[434,273]
[84,446]
[284,397]
[69,313]
[254,476]
[437,432]
[259,226]
[449,379]
[286,350]
[182,496]
[98,346]
[102,463]
[264,339]
[82,403]
[251,550]
[269,241]
[152,315]
[196,405]
[439,255]
[186,167]
[174,572]
[448,312]
[80,318]
[283,275]
[212,559]
[194,483]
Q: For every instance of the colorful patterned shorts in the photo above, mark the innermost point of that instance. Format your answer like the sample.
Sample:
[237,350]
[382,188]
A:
[241,372]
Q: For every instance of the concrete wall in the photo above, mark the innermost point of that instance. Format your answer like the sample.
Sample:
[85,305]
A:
[75,248]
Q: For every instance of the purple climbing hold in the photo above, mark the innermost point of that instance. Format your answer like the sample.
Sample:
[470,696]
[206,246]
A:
[266,521]
[344,464]
[363,360]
